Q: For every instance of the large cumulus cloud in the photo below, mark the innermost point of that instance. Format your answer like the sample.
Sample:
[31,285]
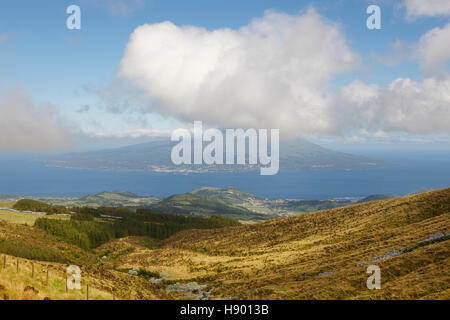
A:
[272,73]
[277,72]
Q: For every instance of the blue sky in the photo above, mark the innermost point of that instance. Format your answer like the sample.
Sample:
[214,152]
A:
[54,65]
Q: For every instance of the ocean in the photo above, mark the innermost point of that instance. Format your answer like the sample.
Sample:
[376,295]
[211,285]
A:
[22,175]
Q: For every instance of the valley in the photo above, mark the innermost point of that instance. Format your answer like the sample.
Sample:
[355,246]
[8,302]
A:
[315,255]
[206,201]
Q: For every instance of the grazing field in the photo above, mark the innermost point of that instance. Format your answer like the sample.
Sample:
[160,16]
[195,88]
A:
[6,204]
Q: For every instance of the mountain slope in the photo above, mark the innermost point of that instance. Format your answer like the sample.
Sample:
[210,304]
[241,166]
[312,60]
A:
[195,205]
[105,199]
[319,255]
[155,156]
[376,197]
[230,195]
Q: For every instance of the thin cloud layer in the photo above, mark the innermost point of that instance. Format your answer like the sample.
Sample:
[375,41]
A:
[119,7]
[430,8]
[27,128]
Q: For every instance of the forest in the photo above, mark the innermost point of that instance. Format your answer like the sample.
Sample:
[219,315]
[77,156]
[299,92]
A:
[89,228]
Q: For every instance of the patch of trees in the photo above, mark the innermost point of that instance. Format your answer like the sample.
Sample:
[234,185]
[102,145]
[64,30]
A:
[98,212]
[38,206]
[82,233]
[88,228]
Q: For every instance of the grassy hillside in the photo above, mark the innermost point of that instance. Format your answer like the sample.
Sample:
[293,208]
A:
[205,201]
[228,195]
[103,284]
[376,197]
[22,284]
[25,218]
[6,204]
[315,256]
[29,243]
[270,208]
[39,206]
[105,199]
[322,255]
[195,205]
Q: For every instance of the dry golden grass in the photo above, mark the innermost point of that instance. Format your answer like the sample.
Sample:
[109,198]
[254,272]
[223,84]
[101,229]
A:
[282,259]
[22,217]
[22,286]
[26,218]
[103,284]
[278,259]
[6,204]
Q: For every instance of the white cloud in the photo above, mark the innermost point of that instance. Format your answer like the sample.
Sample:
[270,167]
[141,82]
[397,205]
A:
[417,8]
[27,128]
[433,49]
[276,73]
[273,73]
[403,105]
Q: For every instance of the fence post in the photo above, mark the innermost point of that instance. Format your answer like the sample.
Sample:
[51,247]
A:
[17,265]
[46,280]
[4,262]
[32,270]
[87,292]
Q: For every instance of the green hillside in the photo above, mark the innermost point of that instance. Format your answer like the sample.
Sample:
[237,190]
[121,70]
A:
[38,206]
[376,197]
[106,199]
[320,255]
[230,195]
[195,205]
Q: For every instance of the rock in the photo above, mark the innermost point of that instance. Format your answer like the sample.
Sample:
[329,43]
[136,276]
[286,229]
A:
[134,271]
[155,281]
[191,289]
[387,255]
[394,253]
